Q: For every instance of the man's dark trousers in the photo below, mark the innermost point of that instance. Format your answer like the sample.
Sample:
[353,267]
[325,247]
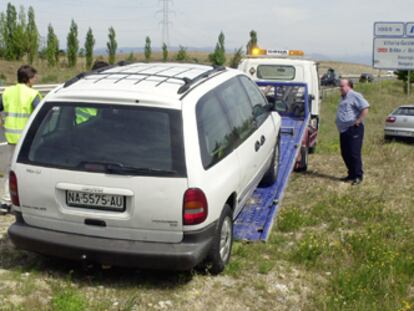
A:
[351,149]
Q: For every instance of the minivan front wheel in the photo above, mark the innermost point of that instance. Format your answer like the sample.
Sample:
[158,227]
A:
[220,251]
[270,176]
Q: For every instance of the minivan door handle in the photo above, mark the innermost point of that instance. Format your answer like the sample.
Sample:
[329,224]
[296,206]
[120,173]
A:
[262,140]
[257,146]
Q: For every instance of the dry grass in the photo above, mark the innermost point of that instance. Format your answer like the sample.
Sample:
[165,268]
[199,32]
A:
[62,72]
[347,68]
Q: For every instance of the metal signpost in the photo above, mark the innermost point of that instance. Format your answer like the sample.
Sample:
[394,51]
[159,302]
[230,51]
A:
[393,47]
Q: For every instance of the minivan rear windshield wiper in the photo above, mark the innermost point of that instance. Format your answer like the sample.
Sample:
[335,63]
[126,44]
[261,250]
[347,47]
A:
[121,169]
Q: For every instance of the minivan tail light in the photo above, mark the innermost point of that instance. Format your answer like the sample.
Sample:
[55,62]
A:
[195,207]
[390,119]
[14,193]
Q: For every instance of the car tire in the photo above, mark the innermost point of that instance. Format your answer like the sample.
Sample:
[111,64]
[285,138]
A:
[270,176]
[303,163]
[220,251]
[312,149]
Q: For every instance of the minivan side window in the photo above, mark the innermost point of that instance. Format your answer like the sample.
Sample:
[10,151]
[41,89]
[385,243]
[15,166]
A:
[257,99]
[238,108]
[214,130]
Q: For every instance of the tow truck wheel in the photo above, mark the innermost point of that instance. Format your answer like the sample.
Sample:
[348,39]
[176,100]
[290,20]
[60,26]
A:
[312,149]
[220,251]
[270,176]
[303,163]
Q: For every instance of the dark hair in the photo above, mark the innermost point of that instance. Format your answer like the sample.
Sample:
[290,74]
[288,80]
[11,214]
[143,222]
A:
[351,84]
[25,73]
[99,64]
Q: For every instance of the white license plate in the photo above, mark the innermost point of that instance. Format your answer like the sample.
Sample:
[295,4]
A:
[100,201]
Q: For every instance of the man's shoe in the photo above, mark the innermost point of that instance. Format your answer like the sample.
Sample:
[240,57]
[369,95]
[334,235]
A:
[346,178]
[356,181]
[4,209]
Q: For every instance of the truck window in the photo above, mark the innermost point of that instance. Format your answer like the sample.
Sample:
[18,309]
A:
[276,72]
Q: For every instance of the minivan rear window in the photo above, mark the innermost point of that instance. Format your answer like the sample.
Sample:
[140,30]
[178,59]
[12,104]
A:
[276,72]
[115,139]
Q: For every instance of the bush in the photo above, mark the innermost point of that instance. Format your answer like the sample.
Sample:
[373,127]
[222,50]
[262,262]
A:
[181,54]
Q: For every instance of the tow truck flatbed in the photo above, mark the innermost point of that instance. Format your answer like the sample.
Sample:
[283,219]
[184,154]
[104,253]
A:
[255,221]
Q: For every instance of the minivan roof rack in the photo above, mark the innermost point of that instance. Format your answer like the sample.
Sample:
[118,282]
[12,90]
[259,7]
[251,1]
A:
[188,82]
[91,72]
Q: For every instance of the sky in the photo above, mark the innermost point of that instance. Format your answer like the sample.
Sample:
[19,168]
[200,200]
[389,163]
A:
[327,27]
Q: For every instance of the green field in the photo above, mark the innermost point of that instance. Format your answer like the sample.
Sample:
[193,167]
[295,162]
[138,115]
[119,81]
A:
[333,247]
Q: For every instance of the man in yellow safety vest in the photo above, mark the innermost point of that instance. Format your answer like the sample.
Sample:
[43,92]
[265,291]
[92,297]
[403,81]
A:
[17,103]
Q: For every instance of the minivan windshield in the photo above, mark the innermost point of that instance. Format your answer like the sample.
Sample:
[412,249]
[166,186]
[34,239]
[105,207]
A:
[114,139]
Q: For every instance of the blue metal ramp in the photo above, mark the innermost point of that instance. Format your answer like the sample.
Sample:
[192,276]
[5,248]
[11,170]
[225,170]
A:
[255,221]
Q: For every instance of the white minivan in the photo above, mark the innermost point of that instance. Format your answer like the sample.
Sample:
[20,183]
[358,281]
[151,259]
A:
[143,165]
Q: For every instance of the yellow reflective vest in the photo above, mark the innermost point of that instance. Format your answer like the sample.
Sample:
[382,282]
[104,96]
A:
[84,114]
[17,104]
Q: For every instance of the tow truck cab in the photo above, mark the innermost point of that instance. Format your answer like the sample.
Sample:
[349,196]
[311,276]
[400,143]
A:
[289,66]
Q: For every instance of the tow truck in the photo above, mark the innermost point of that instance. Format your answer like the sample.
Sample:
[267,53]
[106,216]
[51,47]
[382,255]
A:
[292,86]
[289,66]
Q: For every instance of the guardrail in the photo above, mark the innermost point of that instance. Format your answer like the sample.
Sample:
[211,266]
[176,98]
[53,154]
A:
[42,88]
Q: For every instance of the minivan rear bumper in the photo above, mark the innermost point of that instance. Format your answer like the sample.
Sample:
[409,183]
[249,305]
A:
[149,255]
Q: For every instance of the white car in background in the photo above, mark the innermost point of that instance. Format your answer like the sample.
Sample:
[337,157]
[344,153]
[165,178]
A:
[400,123]
[143,165]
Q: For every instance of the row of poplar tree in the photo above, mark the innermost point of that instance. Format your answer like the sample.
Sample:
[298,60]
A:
[19,37]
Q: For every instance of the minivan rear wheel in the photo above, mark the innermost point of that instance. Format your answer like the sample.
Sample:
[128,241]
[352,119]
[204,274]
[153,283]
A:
[219,254]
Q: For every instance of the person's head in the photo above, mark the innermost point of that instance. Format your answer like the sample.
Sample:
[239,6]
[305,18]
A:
[26,74]
[345,86]
[99,64]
